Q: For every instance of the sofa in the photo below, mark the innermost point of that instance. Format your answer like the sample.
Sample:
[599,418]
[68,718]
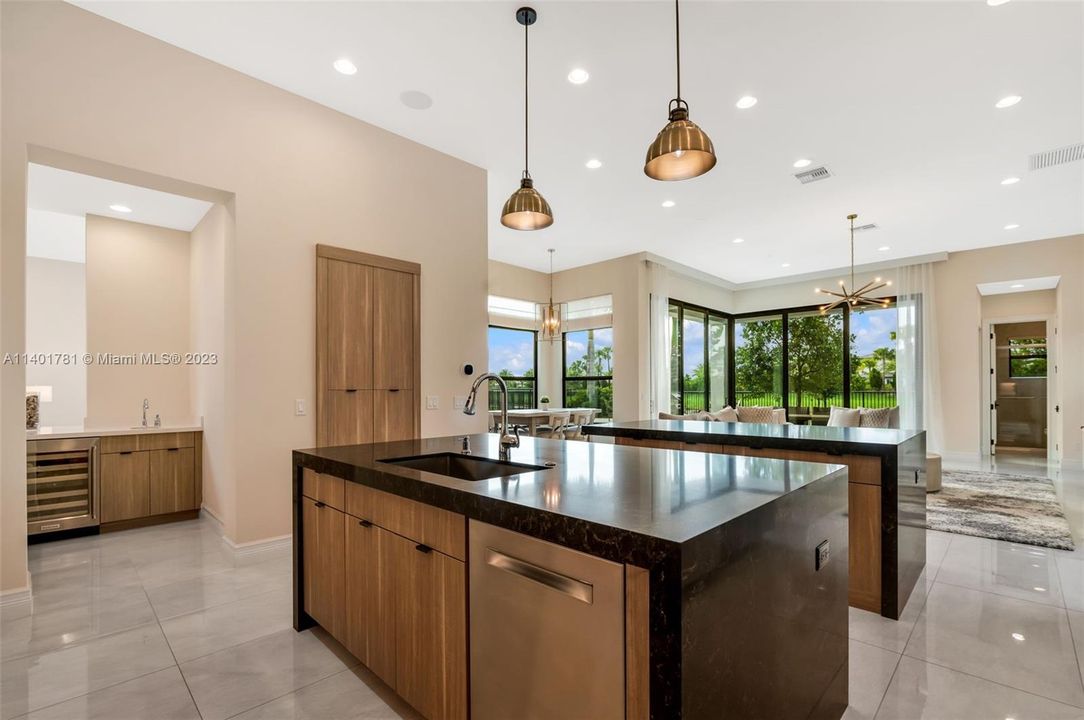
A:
[746,414]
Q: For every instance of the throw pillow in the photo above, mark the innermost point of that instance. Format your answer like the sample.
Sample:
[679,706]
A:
[727,414]
[755,414]
[894,420]
[844,417]
[875,418]
[691,416]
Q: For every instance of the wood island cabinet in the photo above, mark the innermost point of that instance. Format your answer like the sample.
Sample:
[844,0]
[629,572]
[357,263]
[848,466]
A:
[368,344]
[379,578]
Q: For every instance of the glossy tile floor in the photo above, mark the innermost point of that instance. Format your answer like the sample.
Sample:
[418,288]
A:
[167,623]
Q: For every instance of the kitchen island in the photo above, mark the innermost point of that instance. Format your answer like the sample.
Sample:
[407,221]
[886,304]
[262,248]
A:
[730,576]
[887,488]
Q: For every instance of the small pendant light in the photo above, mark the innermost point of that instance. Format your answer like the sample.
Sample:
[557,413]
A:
[526,209]
[551,314]
[682,150]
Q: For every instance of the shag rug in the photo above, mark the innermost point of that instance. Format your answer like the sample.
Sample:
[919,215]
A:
[1016,508]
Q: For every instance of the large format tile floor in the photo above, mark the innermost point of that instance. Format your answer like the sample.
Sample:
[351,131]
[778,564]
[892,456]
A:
[167,623]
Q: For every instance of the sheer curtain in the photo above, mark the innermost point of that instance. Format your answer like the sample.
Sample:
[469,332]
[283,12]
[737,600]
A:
[659,317]
[918,371]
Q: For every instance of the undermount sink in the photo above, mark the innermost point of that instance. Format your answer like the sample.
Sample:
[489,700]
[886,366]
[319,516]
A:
[464,467]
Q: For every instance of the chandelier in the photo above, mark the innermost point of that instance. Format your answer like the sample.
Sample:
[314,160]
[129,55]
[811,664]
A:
[551,314]
[854,297]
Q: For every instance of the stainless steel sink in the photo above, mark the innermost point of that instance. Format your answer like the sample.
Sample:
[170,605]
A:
[464,467]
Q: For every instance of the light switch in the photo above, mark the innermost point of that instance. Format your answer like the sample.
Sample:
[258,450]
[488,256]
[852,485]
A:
[432,402]
[299,407]
[459,401]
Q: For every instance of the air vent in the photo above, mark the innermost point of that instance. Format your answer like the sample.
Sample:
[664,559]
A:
[1050,158]
[867,226]
[810,176]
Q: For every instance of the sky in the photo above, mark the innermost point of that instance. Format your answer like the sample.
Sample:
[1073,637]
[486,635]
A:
[871,329]
[511,350]
[576,343]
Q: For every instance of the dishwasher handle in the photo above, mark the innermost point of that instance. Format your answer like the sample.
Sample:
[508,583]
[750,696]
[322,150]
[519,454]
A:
[584,592]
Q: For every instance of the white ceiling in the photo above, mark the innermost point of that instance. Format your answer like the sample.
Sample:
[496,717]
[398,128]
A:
[70,193]
[895,98]
[1005,287]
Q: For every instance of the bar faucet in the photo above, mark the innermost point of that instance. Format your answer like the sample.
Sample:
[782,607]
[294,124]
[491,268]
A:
[146,407]
[508,440]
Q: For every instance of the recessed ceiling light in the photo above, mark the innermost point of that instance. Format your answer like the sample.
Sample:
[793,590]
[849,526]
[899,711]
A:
[1010,181]
[995,3]
[120,208]
[344,66]
[1039,589]
[594,164]
[578,76]
[802,162]
[1018,637]
[668,203]
[416,100]
[737,241]
[1011,226]
[785,265]
[883,248]
[1007,101]
[745,102]
[1016,286]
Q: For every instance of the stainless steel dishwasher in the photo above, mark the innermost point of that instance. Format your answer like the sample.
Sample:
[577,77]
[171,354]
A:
[547,630]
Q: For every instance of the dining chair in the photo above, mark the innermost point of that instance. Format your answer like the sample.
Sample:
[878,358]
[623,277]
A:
[555,426]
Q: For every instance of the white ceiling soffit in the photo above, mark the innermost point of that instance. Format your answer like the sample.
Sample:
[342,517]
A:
[70,193]
[1005,287]
[56,236]
[898,100]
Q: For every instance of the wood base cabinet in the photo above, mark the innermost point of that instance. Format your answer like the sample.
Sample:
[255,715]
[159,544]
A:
[150,477]
[125,486]
[325,565]
[370,597]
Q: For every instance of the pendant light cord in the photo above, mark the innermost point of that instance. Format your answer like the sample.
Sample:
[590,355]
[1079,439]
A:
[677,45]
[853,286]
[526,105]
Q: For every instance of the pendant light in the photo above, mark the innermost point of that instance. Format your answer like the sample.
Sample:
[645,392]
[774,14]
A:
[551,314]
[526,209]
[682,150]
[856,296]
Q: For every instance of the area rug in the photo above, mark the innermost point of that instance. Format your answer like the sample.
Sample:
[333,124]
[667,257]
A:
[1015,508]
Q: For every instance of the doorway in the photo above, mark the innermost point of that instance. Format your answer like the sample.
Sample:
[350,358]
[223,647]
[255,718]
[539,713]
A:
[1020,371]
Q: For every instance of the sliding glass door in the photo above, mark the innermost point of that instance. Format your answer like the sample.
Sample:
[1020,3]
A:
[698,359]
[814,365]
[758,361]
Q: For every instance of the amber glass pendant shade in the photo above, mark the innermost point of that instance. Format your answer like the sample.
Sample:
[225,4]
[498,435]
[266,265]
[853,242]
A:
[681,151]
[526,209]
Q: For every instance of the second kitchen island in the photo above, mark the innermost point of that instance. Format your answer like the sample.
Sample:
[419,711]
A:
[579,580]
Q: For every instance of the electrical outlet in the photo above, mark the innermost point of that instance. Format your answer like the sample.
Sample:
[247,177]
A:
[299,407]
[823,552]
[432,402]
[459,401]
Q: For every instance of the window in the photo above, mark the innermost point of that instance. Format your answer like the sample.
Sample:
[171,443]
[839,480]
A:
[758,361]
[698,359]
[588,370]
[814,365]
[1027,357]
[513,355]
[873,357]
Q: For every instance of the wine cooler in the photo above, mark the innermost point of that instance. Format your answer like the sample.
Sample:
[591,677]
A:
[61,484]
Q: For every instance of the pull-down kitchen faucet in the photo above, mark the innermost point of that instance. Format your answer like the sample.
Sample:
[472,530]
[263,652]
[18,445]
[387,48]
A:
[146,407]
[508,440]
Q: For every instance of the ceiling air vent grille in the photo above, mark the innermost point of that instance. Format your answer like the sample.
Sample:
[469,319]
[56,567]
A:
[1050,158]
[813,175]
[867,226]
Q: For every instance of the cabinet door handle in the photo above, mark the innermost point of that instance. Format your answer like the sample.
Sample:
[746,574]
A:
[319,504]
[393,389]
[351,389]
[173,449]
[423,548]
[365,523]
[125,452]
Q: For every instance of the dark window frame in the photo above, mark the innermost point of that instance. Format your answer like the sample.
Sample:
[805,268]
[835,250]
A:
[1028,356]
[708,314]
[784,315]
[565,377]
[534,345]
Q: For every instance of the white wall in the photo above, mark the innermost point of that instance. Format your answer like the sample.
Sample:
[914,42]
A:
[137,302]
[299,173]
[56,322]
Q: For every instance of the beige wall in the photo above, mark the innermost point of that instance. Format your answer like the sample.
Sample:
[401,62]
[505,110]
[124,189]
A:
[1009,305]
[137,302]
[56,322]
[300,174]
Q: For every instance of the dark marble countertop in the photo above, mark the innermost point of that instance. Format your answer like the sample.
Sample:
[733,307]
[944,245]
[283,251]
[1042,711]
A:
[818,438]
[661,495]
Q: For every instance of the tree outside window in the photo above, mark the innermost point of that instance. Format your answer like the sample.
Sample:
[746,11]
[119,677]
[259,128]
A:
[588,377]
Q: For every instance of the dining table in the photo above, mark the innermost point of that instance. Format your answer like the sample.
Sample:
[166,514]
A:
[532,418]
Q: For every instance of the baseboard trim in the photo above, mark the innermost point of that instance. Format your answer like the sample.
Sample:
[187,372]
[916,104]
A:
[18,596]
[256,547]
[215,520]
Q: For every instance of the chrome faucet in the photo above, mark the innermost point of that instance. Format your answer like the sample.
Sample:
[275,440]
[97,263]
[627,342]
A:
[508,440]
[146,407]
